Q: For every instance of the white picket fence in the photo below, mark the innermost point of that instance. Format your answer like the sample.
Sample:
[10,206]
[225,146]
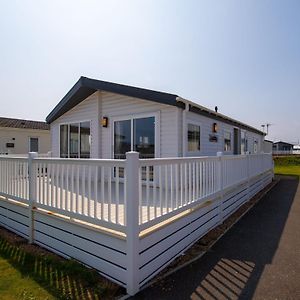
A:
[127,218]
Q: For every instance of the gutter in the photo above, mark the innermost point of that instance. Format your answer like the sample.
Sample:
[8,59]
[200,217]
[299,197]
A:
[201,110]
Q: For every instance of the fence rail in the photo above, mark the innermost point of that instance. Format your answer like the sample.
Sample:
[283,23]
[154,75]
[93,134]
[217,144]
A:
[14,178]
[168,185]
[89,190]
[175,184]
[127,197]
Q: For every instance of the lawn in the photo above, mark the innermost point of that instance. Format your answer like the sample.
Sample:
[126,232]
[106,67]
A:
[15,285]
[287,165]
[30,272]
[287,170]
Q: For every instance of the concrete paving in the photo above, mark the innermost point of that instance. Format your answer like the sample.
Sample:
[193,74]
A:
[259,258]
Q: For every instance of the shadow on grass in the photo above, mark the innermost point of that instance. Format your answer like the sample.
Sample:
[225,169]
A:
[232,268]
[64,279]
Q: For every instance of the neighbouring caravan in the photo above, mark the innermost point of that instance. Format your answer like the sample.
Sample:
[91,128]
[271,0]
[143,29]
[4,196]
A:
[18,136]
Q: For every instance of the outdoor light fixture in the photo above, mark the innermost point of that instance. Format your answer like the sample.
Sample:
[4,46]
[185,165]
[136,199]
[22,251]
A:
[215,127]
[104,122]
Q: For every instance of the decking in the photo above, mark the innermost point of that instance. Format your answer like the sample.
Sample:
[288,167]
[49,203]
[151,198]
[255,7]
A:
[126,218]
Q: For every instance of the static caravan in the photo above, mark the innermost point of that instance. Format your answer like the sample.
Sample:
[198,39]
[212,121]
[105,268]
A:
[131,217]
[18,136]
[99,119]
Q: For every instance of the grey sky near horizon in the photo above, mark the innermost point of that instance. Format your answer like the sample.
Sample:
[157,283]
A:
[243,56]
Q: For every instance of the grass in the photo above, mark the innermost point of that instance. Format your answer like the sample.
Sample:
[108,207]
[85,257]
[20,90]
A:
[15,285]
[288,170]
[287,165]
[30,272]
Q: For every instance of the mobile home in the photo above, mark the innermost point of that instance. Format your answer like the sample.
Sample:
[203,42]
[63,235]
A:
[99,119]
[130,218]
[18,136]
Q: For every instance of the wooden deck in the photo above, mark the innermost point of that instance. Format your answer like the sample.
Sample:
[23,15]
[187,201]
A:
[93,201]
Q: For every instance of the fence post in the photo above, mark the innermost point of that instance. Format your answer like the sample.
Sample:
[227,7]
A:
[32,194]
[221,187]
[132,221]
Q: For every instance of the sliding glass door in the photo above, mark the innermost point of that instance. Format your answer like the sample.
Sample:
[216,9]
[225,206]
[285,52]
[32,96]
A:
[122,138]
[144,137]
[136,134]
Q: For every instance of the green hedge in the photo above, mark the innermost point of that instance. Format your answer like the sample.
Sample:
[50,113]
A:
[292,160]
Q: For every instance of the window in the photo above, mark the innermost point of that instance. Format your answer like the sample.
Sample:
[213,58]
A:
[135,134]
[193,138]
[144,136]
[244,142]
[64,137]
[75,140]
[255,146]
[85,137]
[33,144]
[227,141]
[122,138]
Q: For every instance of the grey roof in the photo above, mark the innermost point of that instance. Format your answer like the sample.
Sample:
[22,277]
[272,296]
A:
[285,143]
[24,124]
[85,87]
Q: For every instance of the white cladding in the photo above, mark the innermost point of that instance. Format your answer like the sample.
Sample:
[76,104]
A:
[116,106]
[208,147]
[169,126]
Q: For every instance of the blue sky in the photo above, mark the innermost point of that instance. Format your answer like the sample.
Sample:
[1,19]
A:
[243,56]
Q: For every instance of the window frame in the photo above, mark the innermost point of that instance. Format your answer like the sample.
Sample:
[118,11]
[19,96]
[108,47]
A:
[131,117]
[70,138]
[29,144]
[255,146]
[246,143]
[79,139]
[231,135]
[68,124]
[187,137]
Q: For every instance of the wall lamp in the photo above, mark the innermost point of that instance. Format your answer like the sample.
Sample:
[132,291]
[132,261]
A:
[104,122]
[215,127]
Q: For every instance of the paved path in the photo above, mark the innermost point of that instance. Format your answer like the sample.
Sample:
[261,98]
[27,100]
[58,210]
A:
[259,258]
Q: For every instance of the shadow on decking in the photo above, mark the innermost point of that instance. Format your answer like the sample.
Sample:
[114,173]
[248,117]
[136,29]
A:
[233,267]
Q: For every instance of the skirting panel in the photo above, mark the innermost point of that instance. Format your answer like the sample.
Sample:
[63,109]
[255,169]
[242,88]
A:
[103,252]
[163,246]
[14,217]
